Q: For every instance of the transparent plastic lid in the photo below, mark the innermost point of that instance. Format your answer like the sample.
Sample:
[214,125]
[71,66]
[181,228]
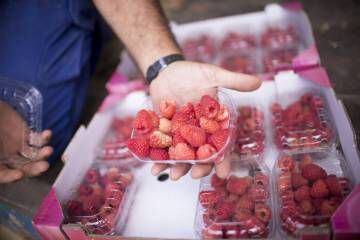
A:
[21,112]
[102,201]
[198,132]
[239,207]
[310,187]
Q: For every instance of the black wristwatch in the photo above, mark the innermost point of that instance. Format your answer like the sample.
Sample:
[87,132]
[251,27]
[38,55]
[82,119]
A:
[154,70]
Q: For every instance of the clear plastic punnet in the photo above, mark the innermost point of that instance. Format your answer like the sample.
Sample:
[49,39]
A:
[279,36]
[301,122]
[198,132]
[250,137]
[102,201]
[310,187]
[24,100]
[239,207]
[237,43]
[279,59]
[242,63]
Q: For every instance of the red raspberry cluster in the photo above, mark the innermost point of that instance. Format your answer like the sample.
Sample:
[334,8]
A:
[302,125]
[239,63]
[114,146]
[279,37]
[97,204]
[236,207]
[200,49]
[250,131]
[279,59]
[234,43]
[192,132]
[308,195]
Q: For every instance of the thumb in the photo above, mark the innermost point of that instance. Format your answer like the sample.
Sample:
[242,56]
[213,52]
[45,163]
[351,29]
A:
[9,175]
[232,80]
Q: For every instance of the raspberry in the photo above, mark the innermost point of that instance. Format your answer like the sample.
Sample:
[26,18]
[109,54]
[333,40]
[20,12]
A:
[258,194]
[284,182]
[245,202]
[232,198]
[328,207]
[183,152]
[223,113]
[287,195]
[313,172]
[126,178]
[195,136]
[261,180]
[139,146]
[112,175]
[276,109]
[205,151]
[302,193]
[92,176]
[209,107]
[245,112]
[230,231]
[165,125]
[91,204]
[188,110]
[197,110]
[167,108]
[158,154]
[319,189]
[154,119]
[217,182]
[74,208]
[249,125]
[333,185]
[238,185]
[177,138]
[223,211]
[218,139]
[316,202]
[298,180]
[143,122]
[178,120]
[345,184]
[171,152]
[158,139]
[307,159]
[286,163]
[85,190]
[242,214]
[209,198]
[209,125]
[254,226]
[306,207]
[262,212]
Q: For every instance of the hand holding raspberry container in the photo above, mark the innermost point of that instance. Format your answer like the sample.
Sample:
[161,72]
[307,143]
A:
[101,203]
[193,133]
[310,187]
[237,207]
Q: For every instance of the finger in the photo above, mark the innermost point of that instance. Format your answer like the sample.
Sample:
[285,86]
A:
[40,139]
[232,80]
[179,170]
[201,170]
[158,168]
[223,168]
[35,168]
[9,175]
[45,153]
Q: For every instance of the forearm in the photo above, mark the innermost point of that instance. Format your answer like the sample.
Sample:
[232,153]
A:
[142,26]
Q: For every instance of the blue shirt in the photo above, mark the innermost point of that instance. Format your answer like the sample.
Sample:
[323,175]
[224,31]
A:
[49,44]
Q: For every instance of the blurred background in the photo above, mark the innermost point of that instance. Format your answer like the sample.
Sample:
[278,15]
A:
[336,26]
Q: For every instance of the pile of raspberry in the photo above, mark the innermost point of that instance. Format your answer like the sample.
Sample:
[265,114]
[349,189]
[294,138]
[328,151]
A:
[235,43]
[239,63]
[275,37]
[192,132]
[97,204]
[115,142]
[302,125]
[200,49]
[236,207]
[250,131]
[308,194]
[279,59]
